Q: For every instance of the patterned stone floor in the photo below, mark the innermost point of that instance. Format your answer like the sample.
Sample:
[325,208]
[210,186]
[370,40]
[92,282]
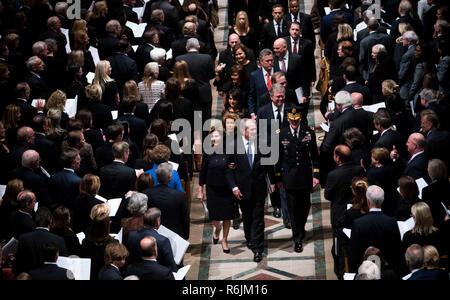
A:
[280,262]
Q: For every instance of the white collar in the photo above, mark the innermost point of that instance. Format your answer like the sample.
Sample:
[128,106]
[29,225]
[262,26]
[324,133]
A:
[410,274]
[375,210]
[293,130]
[69,169]
[49,263]
[274,108]
[119,161]
[114,266]
[384,131]
[35,74]
[350,82]
[42,228]
[149,259]
[22,99]
[276,24]
[265,72]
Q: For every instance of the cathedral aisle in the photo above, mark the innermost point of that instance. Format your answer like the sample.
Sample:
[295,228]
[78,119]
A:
[280,262]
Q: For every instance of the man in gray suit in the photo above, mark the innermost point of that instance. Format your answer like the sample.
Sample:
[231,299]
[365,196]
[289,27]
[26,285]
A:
[406,72]
[201,67]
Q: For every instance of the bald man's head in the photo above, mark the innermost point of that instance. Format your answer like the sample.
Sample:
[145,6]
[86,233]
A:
[233,40]
[342,154]
[148,247]
[280,47]
[415,143]
[30,159]
[357,100]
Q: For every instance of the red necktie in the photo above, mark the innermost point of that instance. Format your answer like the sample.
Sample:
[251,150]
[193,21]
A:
[269,83]
[295,47]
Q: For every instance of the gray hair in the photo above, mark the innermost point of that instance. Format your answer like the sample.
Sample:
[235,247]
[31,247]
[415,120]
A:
[61,7]
[437,169]
[52,45]
[30,159]
[370,269]
[38,47]
[137,204]
[31,62]
[276,87]
[411,36]
[264,52]
[151,216]
[429,95]
[164,173]
[344,99]
[52,21]
[375,195]
[157,53]
[112,26]
[414,256]
[379,48]
[405,6]
[192,43]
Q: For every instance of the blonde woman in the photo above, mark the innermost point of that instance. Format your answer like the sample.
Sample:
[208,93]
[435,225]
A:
[423,232]
[246,33]
[57,100]
[101,113]
[110,92]
[150,88]
[131,91]
[53,128]
[98,18]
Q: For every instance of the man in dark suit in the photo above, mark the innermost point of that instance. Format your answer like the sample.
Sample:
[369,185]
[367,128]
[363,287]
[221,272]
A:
[326,26]
[171,14]
[172,203]
[152,221]
[276,110]
[50,270]
[414,258]
[137,126]
[350,76]
[44,146]
[65,183]
[34,78]
[27,112]
[123,67]
[24,141]
[304,20]
[179,45]
[260,81]
[107,46]
[404,10]
[201,67]
[275,29]
[437,143]
[365,47]
[416,166]
[143,57]
[387,137]
[375,229]
[54,25]
[346,120]
[292,65]
[248,182]
[299,160]
[22,220]
[30,253]
[148,268]
[117,178]
[337,190]
[33,178]
[103,154]
[166,34]
[297,44]
[407,65]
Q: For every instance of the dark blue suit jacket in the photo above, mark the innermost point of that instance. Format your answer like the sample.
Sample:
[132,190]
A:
[138,128]
[165,254]
[378,230]
[258,89]
[51,272]
[424,274]
[150,270]
[108,272]
[37,183]
[65,188]
[417,168]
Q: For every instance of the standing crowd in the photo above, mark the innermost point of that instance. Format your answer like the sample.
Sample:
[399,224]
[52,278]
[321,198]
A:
[62,166]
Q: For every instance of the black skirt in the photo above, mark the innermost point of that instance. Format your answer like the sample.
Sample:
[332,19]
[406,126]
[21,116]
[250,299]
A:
[219,203]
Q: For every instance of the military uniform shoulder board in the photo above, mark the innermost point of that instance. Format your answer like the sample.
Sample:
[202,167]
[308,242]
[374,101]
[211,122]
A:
[311,127]
[278,131]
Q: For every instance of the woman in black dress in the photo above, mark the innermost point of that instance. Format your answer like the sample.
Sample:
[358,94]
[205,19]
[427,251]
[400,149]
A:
[219,195]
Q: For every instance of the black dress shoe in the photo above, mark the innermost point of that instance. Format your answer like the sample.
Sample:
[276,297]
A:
[258,257]
[276,212]
[287,225]
[226,250]
[215,241]
[298,247]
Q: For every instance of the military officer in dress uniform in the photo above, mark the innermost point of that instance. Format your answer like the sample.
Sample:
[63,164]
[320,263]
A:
[297,170]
